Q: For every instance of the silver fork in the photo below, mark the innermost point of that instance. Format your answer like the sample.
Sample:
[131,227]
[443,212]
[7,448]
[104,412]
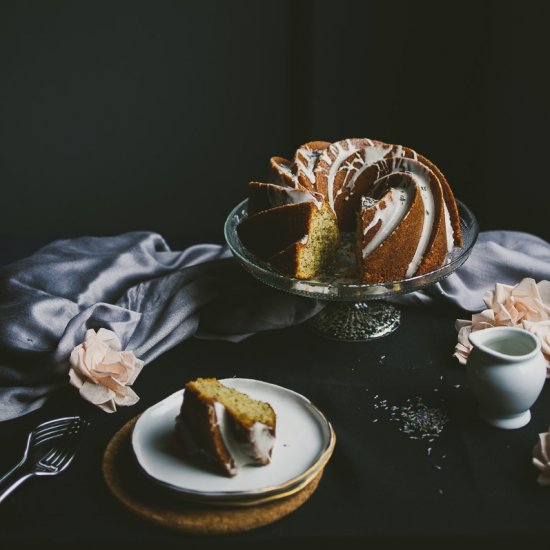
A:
[50,448]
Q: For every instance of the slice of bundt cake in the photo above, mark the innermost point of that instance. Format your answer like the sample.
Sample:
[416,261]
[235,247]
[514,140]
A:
[305,162]
[452,219]
[310,255]
[282,173]
[299,240]
[388,230]
[430,246]
[228,428]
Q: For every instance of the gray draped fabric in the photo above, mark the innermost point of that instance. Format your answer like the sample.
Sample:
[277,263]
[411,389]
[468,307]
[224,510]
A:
[498,257]
[134,285]
[153,298]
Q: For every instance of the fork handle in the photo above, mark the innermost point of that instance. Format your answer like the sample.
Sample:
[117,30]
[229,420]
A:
[15,477]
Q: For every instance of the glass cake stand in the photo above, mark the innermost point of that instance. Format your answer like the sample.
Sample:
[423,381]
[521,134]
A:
[354,311]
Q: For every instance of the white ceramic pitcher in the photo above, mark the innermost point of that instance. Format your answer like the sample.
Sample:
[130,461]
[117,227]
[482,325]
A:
[506,370]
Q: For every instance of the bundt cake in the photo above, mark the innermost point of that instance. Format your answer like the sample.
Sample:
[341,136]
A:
[224,426]
[397,203]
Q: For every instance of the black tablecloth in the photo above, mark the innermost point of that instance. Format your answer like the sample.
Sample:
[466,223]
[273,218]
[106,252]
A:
[471,485]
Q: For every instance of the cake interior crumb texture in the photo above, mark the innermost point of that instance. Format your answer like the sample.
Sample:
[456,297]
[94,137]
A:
[321,245]
[238,404]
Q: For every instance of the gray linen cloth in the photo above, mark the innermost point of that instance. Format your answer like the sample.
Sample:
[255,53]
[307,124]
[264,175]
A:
[498,257]
[153,298]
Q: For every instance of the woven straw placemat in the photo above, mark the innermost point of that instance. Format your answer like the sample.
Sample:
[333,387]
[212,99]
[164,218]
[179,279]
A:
[138,494]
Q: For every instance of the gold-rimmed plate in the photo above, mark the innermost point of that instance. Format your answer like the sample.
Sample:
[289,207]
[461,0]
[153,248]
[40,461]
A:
[304,443]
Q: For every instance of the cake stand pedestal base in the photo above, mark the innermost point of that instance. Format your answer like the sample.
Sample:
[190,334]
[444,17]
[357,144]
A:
[356,321]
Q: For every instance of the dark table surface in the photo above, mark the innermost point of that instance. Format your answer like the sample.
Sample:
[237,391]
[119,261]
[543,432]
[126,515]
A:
[472,485]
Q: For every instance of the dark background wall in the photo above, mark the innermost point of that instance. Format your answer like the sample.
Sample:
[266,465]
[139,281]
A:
[118,116]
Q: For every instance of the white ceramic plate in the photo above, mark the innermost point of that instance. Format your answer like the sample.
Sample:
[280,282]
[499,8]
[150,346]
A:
[304,443]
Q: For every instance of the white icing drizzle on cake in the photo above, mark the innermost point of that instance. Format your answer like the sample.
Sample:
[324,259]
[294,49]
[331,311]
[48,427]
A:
[371,155]
[423,184]
[396,204]
[279,196]
[395,210]
[284,169]
[244,453]
[340,153]
[421,177]
[311,156]
[262,440]
[449,231]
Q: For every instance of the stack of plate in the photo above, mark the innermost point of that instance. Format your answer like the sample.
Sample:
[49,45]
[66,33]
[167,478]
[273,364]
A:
[304,443]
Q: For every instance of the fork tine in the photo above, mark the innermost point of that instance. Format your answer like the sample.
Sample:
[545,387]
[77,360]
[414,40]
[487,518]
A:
[62,461]
[62,424]
[55,423]
[49,455]
[50,429]
[61,420]
[56,457]
[66,444]
[56,430]
[67,459]
[48,437]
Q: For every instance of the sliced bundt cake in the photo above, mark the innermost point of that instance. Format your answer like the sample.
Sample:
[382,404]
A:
[353,185]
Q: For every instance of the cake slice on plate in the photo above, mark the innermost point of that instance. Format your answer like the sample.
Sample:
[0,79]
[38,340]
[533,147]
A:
[227,427]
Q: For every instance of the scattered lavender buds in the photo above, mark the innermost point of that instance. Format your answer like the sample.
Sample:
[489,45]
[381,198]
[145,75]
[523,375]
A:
[418,420]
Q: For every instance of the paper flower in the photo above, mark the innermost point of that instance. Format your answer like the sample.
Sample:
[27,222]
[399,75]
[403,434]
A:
[541,458]
[102,372]
[526,305]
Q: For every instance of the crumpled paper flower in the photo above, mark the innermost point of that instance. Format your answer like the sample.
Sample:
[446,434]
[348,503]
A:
[102,372]
[525,305]
[541,458]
